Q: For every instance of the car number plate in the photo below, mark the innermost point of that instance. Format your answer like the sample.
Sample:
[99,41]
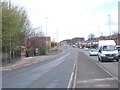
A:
[110,57]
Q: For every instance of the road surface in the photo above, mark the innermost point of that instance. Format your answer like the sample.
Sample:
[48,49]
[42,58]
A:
[74,68]
[51,73]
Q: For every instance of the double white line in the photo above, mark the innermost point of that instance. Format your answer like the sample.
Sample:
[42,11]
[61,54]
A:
[72,80]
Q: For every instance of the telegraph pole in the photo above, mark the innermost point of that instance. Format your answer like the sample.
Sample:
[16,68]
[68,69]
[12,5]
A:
[98,32]
[109,26]
[57,37]
[46,38]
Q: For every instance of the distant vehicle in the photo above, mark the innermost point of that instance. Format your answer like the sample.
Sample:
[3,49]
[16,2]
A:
[86,49]
[93,52]
[118,47]
[74,46]
[67,45]
[107,50]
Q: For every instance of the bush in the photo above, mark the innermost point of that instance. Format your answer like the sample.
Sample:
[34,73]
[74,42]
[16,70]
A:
[43,48]
[53,44]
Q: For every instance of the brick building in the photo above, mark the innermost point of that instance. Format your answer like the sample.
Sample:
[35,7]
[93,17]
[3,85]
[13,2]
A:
[38,40]
[115,37]
[78,40]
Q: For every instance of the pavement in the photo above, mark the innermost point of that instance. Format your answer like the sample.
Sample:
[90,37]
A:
[30,60]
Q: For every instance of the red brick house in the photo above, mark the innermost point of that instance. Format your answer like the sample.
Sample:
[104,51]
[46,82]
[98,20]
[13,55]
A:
[115,37]
[38,40]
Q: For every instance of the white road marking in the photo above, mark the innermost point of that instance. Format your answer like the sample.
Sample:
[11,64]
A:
[74,83]
[102,86]
[72,74]
[69,84]
[95,80]
[105,70]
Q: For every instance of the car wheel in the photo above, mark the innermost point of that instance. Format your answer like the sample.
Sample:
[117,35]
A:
[117,60]
[101,59]
[98,59]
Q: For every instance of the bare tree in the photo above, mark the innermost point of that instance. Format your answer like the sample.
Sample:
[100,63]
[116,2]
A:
[91,36]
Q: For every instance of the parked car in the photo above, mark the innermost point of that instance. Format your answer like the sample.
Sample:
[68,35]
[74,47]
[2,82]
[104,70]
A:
[86,49]
[74,46]
[93,52]
[107,50]
[118,47]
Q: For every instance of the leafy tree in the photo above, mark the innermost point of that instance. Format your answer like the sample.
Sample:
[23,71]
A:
[0,29]
[53,44]
[15,27]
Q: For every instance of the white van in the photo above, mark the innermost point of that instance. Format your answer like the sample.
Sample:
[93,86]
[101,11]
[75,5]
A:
[107,50]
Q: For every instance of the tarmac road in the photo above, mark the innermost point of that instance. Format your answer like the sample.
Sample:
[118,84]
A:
[72,69]
[51,73]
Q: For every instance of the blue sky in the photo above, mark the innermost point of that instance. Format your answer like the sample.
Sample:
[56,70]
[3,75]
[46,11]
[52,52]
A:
[112,4]
[72,18]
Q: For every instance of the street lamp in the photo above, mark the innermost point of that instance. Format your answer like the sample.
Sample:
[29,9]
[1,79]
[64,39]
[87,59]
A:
[46,38]
[98,32]
[109,25]
[57,37]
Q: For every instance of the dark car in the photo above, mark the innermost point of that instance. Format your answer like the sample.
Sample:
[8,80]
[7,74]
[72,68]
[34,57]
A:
[118,47]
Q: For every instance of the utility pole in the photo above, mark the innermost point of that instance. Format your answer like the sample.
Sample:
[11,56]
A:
[9,3]
[98,32]
[109,25]
[57,37]
[46,38]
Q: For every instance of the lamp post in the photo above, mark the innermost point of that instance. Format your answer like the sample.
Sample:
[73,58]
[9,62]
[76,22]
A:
[57,37]
[109,26]
[46,38]
[98,32]
[9,3]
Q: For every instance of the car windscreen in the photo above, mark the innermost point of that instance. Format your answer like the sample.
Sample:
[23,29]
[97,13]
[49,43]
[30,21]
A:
[109,48]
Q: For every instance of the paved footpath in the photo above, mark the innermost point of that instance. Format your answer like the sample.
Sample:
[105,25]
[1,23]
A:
[30,60]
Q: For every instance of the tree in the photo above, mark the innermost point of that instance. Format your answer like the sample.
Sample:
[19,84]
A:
[91,36]
[53,44]
[15,27]
[0,33]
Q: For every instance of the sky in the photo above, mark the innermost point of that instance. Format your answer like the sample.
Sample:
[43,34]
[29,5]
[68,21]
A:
[66,19]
